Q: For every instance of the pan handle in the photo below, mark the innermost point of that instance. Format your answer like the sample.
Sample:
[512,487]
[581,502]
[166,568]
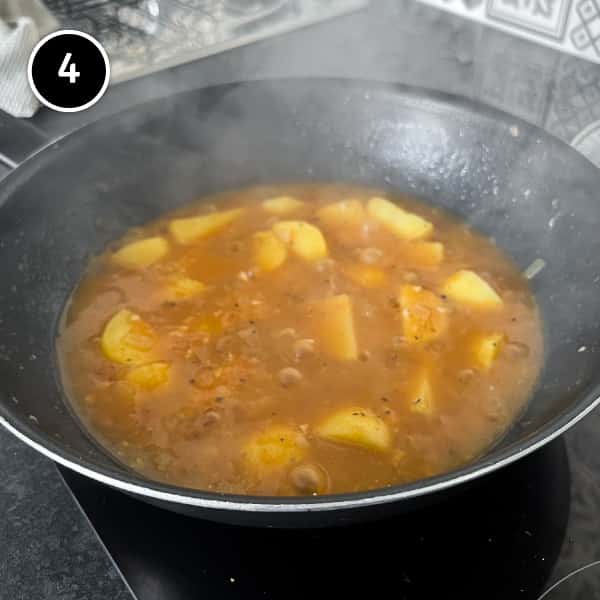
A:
[18,139]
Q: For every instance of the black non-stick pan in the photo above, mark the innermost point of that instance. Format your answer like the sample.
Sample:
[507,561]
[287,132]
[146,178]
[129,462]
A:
[534,194]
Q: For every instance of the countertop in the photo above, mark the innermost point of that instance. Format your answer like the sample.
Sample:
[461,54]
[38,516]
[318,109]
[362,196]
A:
[47,549]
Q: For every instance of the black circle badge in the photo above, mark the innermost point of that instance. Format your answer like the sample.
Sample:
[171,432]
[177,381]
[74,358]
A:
[68,71]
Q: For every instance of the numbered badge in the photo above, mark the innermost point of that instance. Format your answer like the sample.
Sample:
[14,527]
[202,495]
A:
[68,71]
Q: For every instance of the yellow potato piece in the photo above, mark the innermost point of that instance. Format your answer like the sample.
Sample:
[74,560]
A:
[181,288]
[486,348]
[275,448]
[426,254]
[269,251]
[422,319]
[405,225]
[365,275]
[142,253]
[149,377]
[282,205]
[421,395]
[302,238]
[127,339]
[334,324]
[191,229]
[466,287]
[347,213]
[357,427]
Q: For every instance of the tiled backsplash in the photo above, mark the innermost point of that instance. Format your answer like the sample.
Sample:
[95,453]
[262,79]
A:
[572,26]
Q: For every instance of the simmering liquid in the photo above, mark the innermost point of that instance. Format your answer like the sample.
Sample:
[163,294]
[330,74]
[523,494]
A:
[300,340]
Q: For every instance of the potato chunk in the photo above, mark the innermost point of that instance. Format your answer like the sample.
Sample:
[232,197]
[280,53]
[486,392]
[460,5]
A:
[486,348]
[274,448]
[269,251]
[127,339]
[282,205]
[347,213]
[423,318]
[303,239]
[356,426]
[191,229]
[334,324]
[182,288]
[466,287]
[401,223]
[421,395]
[426,254]
[141,254]
[365,275]
[149,377]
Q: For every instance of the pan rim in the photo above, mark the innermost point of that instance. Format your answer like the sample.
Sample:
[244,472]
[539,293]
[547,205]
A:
[417,94]
[290,504]
[133,484]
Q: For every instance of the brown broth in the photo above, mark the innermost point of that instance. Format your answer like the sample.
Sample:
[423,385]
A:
[247,354]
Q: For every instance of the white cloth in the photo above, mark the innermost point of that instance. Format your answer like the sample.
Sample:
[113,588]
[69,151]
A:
[22,24]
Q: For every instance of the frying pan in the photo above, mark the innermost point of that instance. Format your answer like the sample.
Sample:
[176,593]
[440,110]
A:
[535,195]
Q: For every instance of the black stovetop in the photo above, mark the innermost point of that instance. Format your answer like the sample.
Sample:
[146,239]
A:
[513,534]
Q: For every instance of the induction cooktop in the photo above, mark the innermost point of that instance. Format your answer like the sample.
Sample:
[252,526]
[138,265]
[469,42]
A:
[529,531]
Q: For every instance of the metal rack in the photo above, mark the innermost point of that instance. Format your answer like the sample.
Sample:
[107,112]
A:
[143,36]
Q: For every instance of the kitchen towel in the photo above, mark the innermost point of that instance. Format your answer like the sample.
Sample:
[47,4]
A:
[22,24]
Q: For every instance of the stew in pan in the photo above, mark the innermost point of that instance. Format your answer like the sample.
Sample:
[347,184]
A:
[300,339]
